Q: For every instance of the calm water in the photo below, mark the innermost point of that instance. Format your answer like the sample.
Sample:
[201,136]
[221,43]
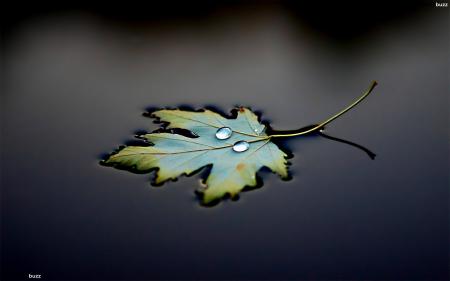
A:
[76,88]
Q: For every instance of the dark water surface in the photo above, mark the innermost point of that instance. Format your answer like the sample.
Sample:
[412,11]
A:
[75,87]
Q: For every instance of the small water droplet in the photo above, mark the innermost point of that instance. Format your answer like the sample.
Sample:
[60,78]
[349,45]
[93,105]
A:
[241,146]
[223,133]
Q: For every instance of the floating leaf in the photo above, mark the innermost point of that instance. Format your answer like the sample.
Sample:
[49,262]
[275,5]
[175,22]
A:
[232,169]
[235,148]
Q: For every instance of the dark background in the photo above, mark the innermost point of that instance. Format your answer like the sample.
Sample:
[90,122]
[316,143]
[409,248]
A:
[76,79]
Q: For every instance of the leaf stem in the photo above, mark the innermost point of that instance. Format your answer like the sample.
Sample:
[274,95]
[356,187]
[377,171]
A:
[321,125]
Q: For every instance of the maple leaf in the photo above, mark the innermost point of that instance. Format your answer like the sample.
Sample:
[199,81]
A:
[232,169]
[236,148]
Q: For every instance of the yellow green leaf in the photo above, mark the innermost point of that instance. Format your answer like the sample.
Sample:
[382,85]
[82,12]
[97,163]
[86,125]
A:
[174,154]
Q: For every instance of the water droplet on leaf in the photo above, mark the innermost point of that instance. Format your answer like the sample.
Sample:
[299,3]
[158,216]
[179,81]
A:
[223,133]
[241,146]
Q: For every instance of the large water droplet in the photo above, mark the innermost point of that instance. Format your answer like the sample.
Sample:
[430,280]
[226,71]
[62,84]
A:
[223,133]
[241,146]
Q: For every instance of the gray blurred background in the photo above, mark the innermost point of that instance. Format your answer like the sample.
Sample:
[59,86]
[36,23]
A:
[77,78]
